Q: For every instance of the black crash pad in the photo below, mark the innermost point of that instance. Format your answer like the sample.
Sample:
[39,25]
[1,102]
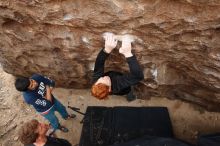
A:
[209,140]
[154,141]
[105,126]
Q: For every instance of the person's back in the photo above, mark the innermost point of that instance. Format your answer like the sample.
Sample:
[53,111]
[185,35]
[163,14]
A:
[114,78]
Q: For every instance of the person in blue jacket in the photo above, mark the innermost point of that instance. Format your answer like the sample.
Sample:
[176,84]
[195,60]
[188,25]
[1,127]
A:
[37,91]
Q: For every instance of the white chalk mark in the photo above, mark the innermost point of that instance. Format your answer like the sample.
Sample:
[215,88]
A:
[67,17]
[154,73]
[128,37]
[85,39]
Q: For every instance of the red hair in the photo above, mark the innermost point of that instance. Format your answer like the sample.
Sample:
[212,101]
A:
[100,91]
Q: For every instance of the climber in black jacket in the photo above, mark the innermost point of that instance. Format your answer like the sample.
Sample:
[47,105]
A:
[115,82]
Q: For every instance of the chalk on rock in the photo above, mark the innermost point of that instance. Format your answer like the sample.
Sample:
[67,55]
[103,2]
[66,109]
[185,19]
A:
[16,138]
[125,37]
[107,33]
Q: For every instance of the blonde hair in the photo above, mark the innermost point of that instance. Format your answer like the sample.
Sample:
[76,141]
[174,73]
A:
[27,132]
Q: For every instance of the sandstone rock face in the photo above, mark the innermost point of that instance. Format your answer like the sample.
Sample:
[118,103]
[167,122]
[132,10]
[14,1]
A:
[177,43]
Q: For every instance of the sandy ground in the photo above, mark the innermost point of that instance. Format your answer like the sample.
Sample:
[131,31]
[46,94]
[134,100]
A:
[188,121]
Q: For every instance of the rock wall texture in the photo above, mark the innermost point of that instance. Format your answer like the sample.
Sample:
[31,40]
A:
[177,43]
